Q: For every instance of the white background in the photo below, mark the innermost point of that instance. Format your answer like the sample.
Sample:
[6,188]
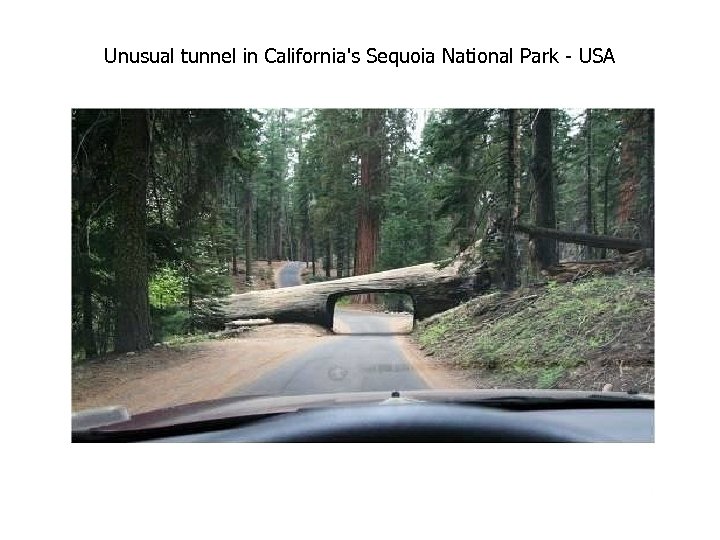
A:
[52,60]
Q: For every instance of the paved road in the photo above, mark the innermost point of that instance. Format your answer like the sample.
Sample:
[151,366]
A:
[366,362]
[289,275]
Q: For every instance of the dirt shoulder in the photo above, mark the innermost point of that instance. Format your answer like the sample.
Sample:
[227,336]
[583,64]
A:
[165,377]
[437,374]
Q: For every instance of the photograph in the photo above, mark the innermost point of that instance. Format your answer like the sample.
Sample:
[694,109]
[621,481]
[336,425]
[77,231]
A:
[426,226]
[363,275]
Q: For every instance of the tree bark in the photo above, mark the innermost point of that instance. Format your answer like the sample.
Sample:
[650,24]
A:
[348,249]
[247,203]
[257,231]
[340,252]
[368,230]
[368,227]
[312,253]
[606,180]
[87,305]
[511,206]
[588,180]
[84,262]
[132,328]
[630,172]
[544,250]
[649,207]
[328,255]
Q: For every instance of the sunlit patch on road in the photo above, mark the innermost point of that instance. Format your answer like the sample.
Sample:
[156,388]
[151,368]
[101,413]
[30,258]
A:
[374,314]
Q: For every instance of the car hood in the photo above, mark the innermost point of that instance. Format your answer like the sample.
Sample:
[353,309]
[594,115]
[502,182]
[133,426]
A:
[118,418]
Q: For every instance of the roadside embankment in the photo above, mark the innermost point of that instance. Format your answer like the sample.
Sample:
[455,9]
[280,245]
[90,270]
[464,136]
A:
[583,335]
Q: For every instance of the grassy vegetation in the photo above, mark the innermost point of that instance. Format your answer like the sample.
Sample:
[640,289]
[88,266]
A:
[537,336]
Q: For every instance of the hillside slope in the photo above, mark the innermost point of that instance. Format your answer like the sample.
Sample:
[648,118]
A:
[581,335]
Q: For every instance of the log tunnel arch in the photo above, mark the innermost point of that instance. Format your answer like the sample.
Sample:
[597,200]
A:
[432,289]
[334,297]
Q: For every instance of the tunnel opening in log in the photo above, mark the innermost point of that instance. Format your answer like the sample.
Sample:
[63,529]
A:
[389,312]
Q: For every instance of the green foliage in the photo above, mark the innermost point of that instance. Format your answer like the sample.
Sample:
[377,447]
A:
[168,322]
[459,144]
[167,287]
[200,162]
[570,164]
[549,376]
[433,334]
[396,302]
[344,301]
[410,233]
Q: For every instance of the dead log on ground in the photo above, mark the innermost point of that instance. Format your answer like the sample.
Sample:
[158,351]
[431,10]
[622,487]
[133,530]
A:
[574,270]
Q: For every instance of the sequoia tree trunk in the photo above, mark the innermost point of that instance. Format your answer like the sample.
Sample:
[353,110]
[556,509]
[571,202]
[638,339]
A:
[368,230]
[368,227]
[132,327]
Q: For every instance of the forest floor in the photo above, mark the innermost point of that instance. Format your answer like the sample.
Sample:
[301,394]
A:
[584,335]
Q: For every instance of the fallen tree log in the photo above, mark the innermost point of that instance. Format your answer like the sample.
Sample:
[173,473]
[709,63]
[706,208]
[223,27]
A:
[574,270]
[593,240]
[432,289]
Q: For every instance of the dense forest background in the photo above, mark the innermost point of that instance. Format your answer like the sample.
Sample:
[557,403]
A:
[169,205]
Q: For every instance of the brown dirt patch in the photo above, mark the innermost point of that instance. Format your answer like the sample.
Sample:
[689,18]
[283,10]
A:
[436,373]
[166,377]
